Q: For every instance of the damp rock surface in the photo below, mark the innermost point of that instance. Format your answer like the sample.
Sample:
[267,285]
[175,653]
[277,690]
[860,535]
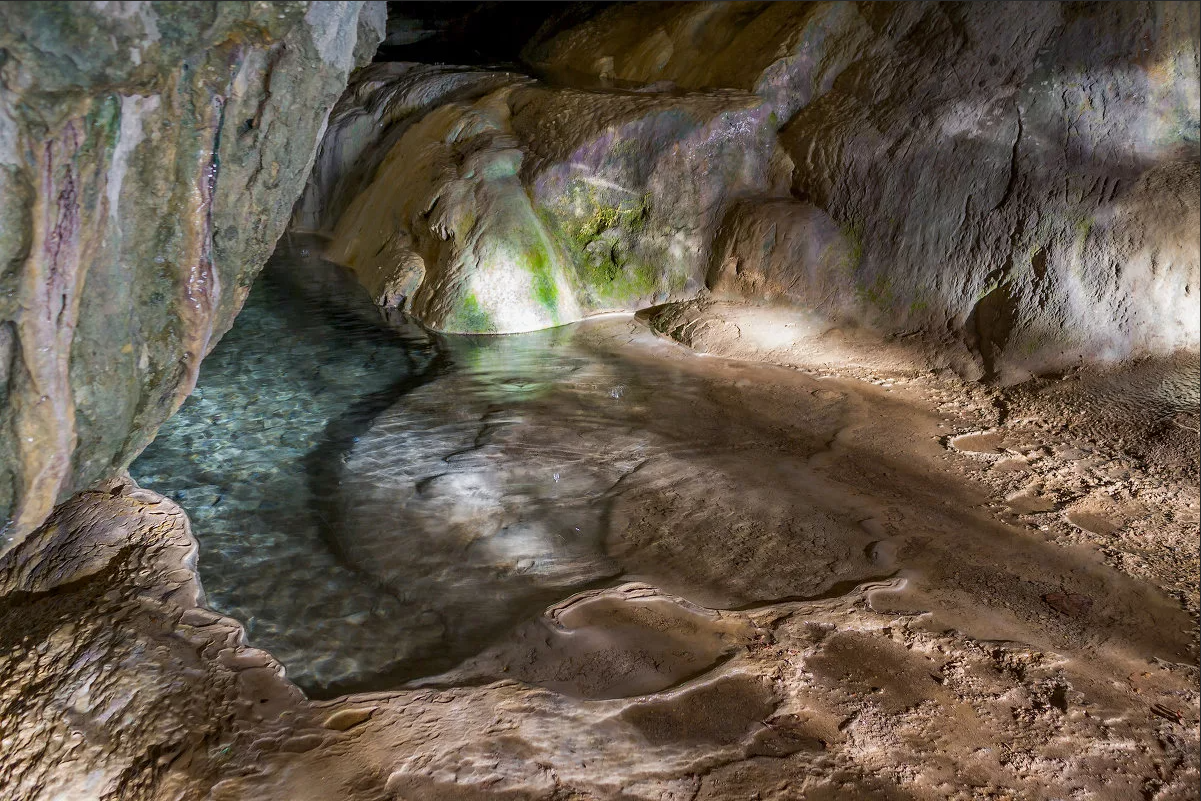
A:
[446,490]
[736,546]
[537,572]
[149,158]
[488,202]
[1019,187]
[1023,178]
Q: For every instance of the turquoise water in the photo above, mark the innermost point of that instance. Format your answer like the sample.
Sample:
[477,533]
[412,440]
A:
[380,505]
[308,361]
[377,504]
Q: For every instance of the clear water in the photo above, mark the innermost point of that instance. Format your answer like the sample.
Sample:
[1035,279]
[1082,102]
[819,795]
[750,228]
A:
[380,506]
[377,504]
[307,362]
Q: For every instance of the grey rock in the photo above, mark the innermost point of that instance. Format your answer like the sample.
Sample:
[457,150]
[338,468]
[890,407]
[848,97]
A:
[1017,181]
[149,159]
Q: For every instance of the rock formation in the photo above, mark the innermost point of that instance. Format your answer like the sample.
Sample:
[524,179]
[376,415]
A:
[1020,187]
[1018,180]
[590,564]
[488,203]
[1003,664]
[149,159]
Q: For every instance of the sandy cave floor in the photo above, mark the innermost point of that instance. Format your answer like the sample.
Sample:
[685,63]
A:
[1016,617]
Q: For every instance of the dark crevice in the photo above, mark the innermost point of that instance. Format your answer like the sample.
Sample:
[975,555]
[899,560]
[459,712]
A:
[1013,161]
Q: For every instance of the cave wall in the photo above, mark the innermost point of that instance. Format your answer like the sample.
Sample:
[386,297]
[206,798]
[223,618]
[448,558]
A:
[150,155]
[488,202]
[1016,182]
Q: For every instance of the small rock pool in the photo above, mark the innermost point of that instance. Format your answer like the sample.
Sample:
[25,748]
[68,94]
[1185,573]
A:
[378,504]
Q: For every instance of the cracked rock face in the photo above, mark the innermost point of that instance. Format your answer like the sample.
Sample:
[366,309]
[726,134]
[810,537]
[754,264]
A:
[135,147]
[1019,182]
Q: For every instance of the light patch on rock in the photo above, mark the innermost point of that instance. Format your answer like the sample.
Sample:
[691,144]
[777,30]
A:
[375,15]
[333,32]
[9,138]
[149,22]
[133,109]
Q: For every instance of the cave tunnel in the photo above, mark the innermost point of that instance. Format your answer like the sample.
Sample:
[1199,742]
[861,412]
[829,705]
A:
[617,400]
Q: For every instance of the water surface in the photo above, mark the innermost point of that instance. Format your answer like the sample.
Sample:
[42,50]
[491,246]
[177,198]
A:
[377,504]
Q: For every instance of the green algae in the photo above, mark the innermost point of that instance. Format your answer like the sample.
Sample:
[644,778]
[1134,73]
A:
[471,316]
[546,291]
[1082,227]
[878,293]
[613,277]
[599,243]
[990,286]
[853,233]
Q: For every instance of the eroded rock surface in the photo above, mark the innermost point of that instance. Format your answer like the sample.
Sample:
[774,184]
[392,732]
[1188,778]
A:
[149,158]
[983,656]
[852,578]
[489,203]
[786,252]
[99,606]
[787,53]
[1017,182]
[997,662]
[1008,176]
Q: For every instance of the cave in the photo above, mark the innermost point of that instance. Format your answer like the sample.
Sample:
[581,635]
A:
[631,401]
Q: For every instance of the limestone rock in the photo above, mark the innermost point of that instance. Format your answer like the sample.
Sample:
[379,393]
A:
[516,206]
[118,553]
[149,158]
[447,224]
[1023,177]
[380,103]
[783,250]
[1007,175]
[787,53]
[633,185]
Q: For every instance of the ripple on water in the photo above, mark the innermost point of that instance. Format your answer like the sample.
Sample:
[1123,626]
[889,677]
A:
[378,505]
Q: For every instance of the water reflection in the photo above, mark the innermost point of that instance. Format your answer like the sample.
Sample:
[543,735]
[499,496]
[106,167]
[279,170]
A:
[378,505]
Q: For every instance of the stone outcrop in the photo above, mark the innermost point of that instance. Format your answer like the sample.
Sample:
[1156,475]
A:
[783,250]
[379,105]
[119,553]
[148,163]
[633,185]
[1017,185]
[787,53]
[487,202]
[1006,176]
[1019,182]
